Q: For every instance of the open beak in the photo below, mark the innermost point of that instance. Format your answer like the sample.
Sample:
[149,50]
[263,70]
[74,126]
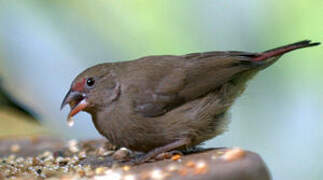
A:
[77,102]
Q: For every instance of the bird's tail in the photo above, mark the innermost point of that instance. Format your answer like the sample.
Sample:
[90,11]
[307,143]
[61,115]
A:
[284,49]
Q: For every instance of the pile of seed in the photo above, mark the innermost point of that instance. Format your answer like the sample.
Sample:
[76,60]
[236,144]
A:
[69,163]
[55,164]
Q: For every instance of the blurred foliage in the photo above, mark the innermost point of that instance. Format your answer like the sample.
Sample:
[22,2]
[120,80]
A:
[16,123]
[15,119]
[7,101]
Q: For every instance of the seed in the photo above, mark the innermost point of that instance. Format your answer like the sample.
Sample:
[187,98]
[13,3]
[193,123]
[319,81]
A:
[176,157]
[19,159]
[121,154]
[234,154]
[157,174]
[82,155]
[46,154]
[126,168]
[172,167]
[201,167]
[15,148]
[11,157]
[100,170]
[72,146]
[190,164]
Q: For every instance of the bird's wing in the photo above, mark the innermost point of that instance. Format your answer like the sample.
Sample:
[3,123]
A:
[195,75]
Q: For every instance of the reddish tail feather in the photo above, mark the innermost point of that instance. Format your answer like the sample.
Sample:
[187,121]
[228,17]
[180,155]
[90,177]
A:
[284,49]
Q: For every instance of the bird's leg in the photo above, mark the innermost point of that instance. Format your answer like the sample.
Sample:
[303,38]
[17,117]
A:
[156,151]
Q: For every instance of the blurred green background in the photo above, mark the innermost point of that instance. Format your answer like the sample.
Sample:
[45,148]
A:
[45,44]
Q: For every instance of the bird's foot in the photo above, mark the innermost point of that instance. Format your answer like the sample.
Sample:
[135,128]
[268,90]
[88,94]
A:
[160,150]
[140,159]
[168,155]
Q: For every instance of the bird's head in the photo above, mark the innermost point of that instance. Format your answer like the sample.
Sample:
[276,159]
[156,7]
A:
[93,89]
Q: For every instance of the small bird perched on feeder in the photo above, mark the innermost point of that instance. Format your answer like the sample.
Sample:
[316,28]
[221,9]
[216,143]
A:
[157,104]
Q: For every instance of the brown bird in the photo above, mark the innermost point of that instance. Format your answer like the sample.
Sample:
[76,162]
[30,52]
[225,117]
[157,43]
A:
[157,104]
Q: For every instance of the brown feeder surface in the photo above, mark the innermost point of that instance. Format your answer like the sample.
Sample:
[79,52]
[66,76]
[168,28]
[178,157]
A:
[46,157]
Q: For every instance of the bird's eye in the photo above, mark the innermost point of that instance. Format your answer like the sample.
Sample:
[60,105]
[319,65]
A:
[90,82]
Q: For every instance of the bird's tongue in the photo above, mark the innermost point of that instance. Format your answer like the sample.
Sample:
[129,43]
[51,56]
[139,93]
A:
[76,109]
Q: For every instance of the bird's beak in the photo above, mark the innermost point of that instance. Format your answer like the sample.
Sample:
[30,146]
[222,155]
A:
[77,102]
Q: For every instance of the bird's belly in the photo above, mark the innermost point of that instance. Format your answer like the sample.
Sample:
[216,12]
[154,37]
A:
[137,135]
[198,120]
